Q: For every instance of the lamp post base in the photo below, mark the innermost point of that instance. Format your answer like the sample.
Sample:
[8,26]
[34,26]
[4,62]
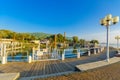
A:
[107,60]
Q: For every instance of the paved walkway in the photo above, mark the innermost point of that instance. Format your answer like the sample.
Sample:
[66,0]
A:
[97,64]
[42,68]
[45,76]
[9,76]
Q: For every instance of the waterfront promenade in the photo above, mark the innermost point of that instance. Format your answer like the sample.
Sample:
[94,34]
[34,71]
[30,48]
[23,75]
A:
[9,76]
[42,68]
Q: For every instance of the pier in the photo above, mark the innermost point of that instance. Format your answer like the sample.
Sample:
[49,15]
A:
[8,47]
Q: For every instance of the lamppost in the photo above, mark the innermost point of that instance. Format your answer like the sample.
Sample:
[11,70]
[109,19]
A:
[117,37]
[107,22]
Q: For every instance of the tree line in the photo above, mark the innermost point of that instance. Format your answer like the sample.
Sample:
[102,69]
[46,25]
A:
[7,34]
[73,41]
[26,37]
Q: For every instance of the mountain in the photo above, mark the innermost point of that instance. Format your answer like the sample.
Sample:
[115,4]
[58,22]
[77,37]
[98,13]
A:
[40,35]
[69,38]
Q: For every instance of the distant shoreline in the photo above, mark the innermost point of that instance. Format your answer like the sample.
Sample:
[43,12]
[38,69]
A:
[111,45]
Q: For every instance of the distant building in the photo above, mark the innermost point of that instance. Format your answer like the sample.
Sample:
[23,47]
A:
[8,41]
[62,45]
[94,45]
[40,41]
[44,41]
[35,41]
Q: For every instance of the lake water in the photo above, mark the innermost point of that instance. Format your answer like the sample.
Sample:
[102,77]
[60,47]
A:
[111,45]
[20,57]
[68,54]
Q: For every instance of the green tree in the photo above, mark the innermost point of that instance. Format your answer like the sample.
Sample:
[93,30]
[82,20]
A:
[60,38]
[7,34]
[75,39]
[19,36]
[94,41]
[82,42]
[51,38]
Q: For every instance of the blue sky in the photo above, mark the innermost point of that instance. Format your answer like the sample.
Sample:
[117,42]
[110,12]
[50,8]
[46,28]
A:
[75,17]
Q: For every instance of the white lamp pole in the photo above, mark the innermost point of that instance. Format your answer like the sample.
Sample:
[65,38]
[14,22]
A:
[108,43]
[107,22]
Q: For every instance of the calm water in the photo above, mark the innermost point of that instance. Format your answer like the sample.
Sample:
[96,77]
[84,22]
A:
[70,54]
[23,57]
[18,57]
[112,45]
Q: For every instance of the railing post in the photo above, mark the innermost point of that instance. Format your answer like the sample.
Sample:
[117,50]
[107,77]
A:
[1,49]
[98,49]
[3,60]
[94,50]
[89,52]
[33,52]
[63,55]
[102,48]
[5,53]
[29,59]
[78,54]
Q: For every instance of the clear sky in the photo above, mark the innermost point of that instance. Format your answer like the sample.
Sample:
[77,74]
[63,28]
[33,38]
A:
[75,17]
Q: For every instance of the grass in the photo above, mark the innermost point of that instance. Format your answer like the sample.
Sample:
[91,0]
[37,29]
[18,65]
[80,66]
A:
[110,72]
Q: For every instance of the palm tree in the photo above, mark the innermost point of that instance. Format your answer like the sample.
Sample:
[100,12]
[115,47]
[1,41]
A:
[94,42]
[82,42]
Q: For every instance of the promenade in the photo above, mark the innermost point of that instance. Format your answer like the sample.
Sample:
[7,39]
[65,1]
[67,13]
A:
[42,68]
[9,76]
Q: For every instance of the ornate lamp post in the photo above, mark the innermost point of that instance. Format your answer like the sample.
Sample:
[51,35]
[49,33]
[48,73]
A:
[117,37]
[107,22]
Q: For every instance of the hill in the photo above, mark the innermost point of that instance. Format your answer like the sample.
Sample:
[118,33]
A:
[40,35]
[27,35]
